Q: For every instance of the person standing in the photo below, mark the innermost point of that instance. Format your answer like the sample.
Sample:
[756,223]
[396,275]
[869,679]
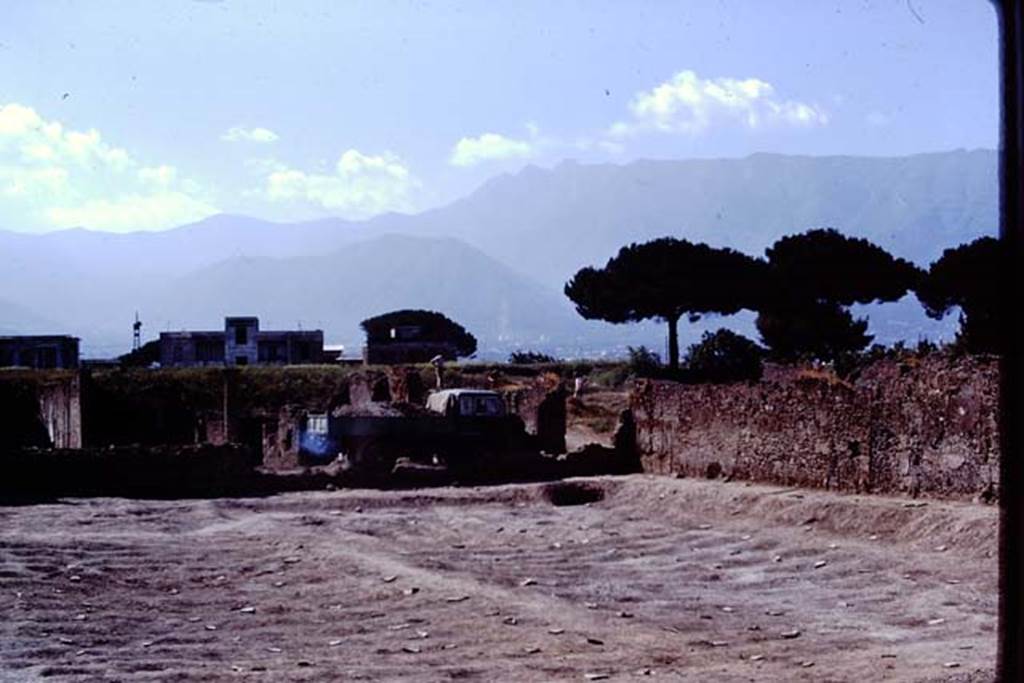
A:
[578,385]
[438,363]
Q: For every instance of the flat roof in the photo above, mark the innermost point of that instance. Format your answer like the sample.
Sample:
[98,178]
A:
[465,392]
[262,334]
[193,333]
[38,337]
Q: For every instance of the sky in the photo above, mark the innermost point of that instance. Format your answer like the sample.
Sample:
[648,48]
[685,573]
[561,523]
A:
[145,115]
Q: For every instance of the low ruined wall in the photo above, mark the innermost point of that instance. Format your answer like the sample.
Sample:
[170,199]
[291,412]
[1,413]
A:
[134,471]
[60,409]
[542,406]
[282,438]
[40,408]
[918,426]
[261,408]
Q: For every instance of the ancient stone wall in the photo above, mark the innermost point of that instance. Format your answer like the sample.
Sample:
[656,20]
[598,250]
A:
[406,385]
[368,387]
[60,410]
[282,436]
[40,408]
[261,408]
[147,471]
[542,406]
[917,426]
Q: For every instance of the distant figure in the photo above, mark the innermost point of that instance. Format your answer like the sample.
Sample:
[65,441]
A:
[438,363]
[578,385]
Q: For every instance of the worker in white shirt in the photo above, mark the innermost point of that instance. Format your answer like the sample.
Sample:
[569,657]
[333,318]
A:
[438,363]
[578,384]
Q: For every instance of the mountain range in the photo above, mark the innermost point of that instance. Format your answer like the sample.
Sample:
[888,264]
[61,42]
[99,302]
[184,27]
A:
[497,259]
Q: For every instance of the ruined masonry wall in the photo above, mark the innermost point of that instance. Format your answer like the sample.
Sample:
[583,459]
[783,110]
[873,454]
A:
[60,410]
[924,426]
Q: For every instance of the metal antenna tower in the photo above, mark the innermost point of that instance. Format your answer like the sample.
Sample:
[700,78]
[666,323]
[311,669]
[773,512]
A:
[136,333]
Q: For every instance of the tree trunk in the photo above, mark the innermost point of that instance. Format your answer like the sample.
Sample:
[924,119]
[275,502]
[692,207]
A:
[673,342]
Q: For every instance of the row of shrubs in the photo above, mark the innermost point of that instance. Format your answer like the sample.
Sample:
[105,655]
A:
[725,356]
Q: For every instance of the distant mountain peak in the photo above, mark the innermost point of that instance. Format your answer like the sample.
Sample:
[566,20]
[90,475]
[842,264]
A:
[499,256]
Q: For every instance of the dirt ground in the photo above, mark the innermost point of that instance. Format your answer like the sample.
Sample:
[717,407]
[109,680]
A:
[654,579]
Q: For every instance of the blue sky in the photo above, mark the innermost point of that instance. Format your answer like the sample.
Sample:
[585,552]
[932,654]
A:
[145,115]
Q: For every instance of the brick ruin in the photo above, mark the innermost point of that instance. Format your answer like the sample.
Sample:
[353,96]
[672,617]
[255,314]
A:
[171,471]
[923,426]
[920,426]
[71,410]
[41,412]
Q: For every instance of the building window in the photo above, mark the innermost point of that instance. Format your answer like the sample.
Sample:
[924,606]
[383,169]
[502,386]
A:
[208,351]
[241,335]
[241,360]
[271,352]
[405,332]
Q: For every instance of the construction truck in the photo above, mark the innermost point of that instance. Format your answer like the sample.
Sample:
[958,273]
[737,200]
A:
[463,431]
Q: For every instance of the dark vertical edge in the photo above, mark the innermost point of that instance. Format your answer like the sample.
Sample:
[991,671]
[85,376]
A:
[1011,469]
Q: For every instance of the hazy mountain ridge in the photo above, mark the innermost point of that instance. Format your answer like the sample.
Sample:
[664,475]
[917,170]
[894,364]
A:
[516,239]
[336,290]
[915,205]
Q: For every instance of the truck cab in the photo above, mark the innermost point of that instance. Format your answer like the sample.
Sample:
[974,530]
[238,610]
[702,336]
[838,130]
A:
[466,403]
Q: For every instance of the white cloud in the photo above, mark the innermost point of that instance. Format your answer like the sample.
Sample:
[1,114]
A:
[160,176]
[690,104]
[52,176]
[20,182]
[491,146]
[27,137]
[360,185]
[242,134]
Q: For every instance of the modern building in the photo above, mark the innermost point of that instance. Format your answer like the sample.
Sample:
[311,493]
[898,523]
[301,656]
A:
[39,351]
[241,343]
[405,344]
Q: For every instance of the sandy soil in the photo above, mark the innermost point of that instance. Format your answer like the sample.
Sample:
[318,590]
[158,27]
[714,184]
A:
[662,579]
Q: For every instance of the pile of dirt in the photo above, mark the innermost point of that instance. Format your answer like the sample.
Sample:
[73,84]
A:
[380,409]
